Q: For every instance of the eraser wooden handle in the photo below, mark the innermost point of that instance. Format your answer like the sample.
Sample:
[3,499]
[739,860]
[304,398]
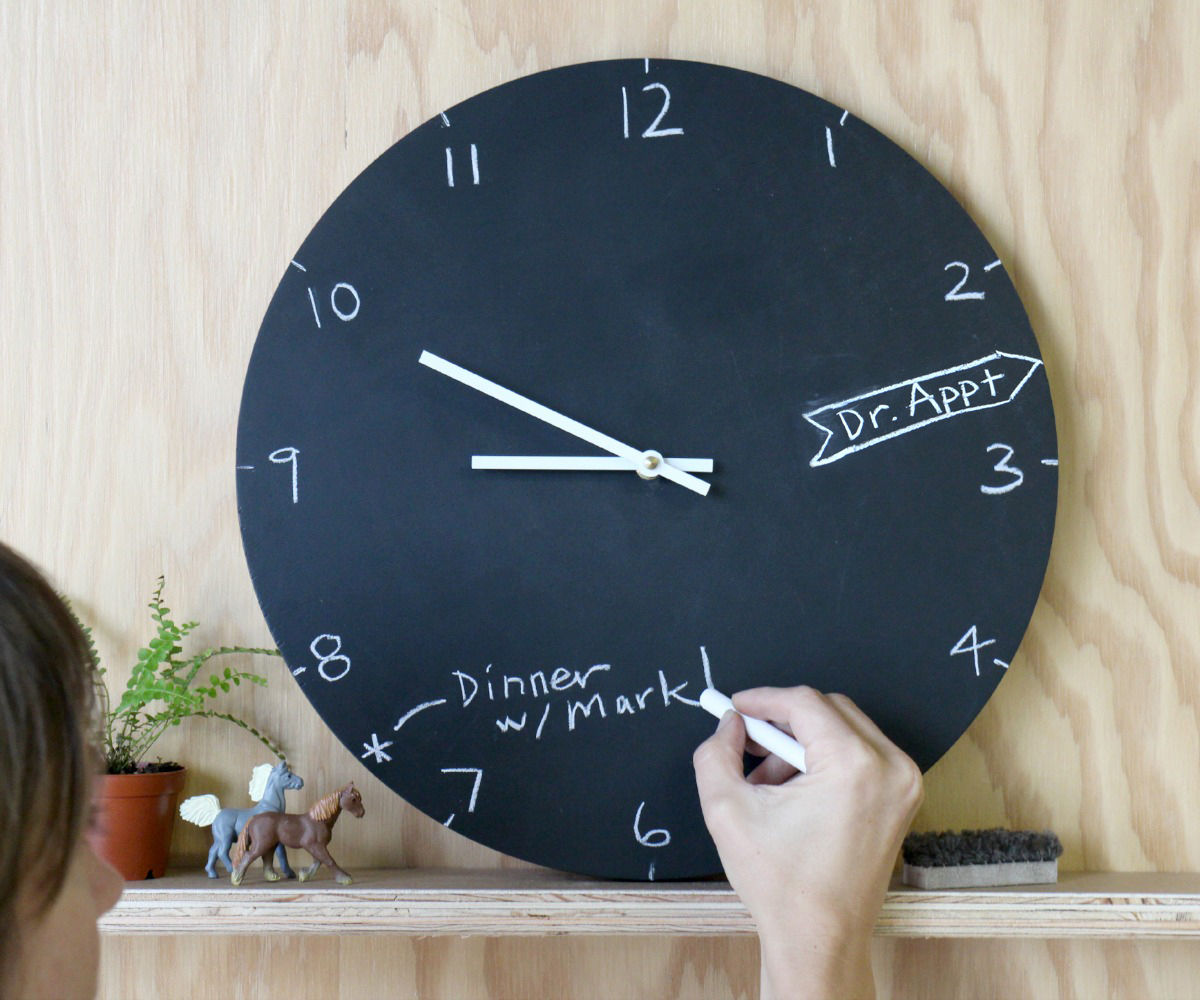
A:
[763,733]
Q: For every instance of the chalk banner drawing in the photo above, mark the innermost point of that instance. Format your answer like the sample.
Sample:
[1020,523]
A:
[882,414]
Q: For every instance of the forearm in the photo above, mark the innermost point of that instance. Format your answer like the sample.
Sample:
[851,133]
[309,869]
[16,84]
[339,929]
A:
[810,855]
[816,968]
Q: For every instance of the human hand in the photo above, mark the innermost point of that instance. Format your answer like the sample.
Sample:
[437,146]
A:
[810,855]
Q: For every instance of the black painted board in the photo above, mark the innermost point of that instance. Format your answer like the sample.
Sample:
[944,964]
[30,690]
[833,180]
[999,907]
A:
[692,259]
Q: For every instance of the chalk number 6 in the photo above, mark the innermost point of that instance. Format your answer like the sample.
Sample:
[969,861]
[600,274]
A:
[650,838]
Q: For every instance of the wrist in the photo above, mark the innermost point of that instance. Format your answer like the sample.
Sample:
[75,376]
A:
[817,962]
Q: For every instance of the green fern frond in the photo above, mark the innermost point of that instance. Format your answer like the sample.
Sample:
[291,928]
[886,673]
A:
[161,692]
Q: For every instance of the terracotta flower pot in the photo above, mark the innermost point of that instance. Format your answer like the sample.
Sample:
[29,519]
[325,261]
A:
[134,821]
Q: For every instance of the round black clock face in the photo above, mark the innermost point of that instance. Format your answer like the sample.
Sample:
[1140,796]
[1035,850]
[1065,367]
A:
[614,382]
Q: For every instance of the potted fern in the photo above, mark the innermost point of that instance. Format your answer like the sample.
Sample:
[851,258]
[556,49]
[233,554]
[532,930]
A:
[164,688]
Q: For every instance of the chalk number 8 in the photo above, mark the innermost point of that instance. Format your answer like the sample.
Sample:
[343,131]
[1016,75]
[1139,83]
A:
[335,656]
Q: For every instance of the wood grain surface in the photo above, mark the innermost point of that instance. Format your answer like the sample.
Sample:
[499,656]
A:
[652,968]
[495,902]
[160,162]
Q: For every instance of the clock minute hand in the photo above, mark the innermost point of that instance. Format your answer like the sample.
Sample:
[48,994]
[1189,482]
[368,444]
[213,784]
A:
[654,465]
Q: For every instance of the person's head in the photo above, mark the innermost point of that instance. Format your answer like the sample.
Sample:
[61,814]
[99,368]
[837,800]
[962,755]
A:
[52,886]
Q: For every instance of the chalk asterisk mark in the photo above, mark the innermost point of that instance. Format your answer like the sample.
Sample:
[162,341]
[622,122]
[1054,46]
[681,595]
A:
[377,748]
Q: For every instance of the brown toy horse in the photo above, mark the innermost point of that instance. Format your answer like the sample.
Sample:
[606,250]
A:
[311,831]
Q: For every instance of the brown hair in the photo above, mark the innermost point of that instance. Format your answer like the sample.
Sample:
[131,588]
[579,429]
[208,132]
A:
[47,754]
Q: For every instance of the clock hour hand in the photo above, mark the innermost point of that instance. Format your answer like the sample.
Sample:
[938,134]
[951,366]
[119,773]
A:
[579,463]
[648,463]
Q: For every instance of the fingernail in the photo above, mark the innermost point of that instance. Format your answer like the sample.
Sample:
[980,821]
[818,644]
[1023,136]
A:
[726,719]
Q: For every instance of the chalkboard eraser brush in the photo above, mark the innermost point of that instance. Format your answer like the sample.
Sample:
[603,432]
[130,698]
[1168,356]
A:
[773,740]
[980,859]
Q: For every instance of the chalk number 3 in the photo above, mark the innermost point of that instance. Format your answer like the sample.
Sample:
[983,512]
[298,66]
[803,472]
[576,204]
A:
[1017,477]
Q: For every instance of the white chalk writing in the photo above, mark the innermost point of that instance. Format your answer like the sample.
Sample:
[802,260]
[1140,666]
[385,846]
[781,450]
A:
[334,656]
[652,131]
[1018,477]
[478,772]
[651,838]
[973,646]
[850,425]
[450,166]
[420,708]
[282,456]
[584,706]
[375,749]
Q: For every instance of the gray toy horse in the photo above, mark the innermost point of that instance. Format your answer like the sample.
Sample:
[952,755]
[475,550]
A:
[267,785]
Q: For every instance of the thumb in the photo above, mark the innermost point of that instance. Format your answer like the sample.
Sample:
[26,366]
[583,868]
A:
[718,762]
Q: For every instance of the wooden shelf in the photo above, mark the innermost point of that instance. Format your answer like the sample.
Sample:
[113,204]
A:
[502,902]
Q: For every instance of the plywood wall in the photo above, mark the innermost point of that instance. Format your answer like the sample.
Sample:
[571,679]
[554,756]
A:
[160,162]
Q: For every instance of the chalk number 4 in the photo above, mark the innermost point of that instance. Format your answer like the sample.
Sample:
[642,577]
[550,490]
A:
[970,643]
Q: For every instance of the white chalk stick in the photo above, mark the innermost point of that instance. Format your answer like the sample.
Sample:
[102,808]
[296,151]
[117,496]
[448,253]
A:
[763,733]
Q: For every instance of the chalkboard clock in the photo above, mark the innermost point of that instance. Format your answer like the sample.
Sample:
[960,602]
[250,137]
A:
[616,380]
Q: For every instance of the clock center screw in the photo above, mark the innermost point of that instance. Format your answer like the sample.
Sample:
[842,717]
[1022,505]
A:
[649,465]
